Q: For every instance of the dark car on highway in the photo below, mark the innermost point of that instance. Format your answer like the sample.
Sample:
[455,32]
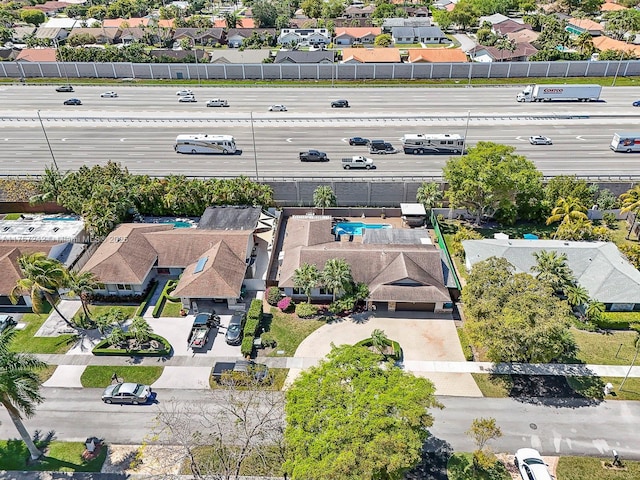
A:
[358,141]
[64,88]
[313,156]
[636,103]
[339,104]
[73,101]
[234,330]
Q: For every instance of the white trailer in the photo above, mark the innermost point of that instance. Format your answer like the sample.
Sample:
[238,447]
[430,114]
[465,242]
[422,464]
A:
[546,93]
[625,142]
[437,143]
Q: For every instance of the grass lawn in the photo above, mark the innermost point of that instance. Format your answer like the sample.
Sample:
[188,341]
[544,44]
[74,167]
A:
[619,234]
[460,467]
[618,320]
[12,216]
[171,309]
[266,462]
[581,468]
[631,389]
[24,341]
[493,386]
[97,310]
[99,376]
[59,456]
[600,349]
[465,343]
[45,373]
[289,331]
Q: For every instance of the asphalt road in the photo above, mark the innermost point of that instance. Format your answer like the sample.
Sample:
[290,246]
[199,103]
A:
[566,428]
[139,127]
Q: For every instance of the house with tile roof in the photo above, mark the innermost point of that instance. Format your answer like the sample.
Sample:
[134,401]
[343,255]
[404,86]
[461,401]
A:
[370,55]
[102,35]
[427,35]
[576,26]
[599,267]
[523,36]
[508,26]
[37,55]
[606,43]
[436,55]
[235,36]
[246,23]
[611,7]
[399,276]
[125,22]
[56,34]
[359,11]
[18,34]
[200,36]
[356,35]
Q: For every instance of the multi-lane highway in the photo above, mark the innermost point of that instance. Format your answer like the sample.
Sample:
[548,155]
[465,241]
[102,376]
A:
[139,127]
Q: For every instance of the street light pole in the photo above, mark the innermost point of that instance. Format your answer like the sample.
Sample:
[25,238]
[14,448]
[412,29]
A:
[55,164]
[613,84]
[466,130]
[255,154]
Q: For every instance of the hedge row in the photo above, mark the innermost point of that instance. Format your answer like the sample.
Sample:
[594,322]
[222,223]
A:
[143,306]
[397,351]
[251,327]
[101,349]
[164,296]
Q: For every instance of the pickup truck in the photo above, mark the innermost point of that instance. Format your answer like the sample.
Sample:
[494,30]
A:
[202,325]
[233,372]
[313,156]
[357,161]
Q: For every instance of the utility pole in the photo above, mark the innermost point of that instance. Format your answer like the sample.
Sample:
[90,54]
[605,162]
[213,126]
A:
[55,164]
[255,153]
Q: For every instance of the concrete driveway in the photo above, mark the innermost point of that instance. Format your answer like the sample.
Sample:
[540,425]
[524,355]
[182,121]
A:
[423,340]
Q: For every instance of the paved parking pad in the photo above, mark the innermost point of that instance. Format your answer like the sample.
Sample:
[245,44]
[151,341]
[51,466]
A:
[66,376]
[196,378]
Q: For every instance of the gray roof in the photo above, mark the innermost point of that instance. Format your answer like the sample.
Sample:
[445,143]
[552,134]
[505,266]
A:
[428,32]
[230,218]
[299,56]
[237,56]
[598,266]
[398,32]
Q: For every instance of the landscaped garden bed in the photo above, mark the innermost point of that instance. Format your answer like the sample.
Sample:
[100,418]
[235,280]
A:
[155,346]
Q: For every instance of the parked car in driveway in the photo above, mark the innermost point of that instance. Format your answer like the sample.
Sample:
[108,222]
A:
[109,95]
[73,101]
[277,108]
[358,141]
[539,140]
[182,93]
[64,88]
[531,465]
[6,321]
[187,99]
[133,393]
[233,336]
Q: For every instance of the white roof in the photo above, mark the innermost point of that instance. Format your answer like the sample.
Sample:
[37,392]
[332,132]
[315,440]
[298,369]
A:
[598,266]
[38,229]
[66,23]
[412,209]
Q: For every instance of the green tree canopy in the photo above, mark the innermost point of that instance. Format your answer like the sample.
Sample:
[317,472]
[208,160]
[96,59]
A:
[565,186]
[312,8]
[491,179]
[515,317]
[307,277]
[354,417]
[264,13]
[32,16]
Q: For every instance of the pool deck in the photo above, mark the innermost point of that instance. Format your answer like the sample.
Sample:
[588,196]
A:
[395,222]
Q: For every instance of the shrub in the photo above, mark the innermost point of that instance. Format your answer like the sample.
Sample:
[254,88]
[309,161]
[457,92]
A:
[306,310]
[273,296]
[145,302]
[101,348]
[268,340]
[609,219]
[286,304]
[251,327]
[463,233]
[247,346]
[255,310]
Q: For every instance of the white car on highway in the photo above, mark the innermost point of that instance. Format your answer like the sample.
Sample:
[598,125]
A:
[539,140]
[183,93]
[277,108]
[531,465]
[109,95]
[187,99]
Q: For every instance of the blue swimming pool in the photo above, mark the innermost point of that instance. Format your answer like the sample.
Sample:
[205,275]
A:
[356,228]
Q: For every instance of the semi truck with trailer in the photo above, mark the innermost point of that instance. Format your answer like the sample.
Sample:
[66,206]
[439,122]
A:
[547,93]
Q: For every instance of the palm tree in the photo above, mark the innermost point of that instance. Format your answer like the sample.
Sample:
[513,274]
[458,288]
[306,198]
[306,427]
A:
[51,185]
[42,277]
[505,43]
[584,43]
[336,275]
[379,340]
[595,310]
[140,330]
[307,278]
[232,20]
[323,197]
[553,270]
[19,386]
[117,337]
[82,285]
[631,204]
[577,295]
[429,195]
[567,210]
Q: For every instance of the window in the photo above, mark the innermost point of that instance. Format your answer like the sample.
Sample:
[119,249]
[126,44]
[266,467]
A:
[102,286]
[325,291]
[298,291]
[124,287]
[163,271]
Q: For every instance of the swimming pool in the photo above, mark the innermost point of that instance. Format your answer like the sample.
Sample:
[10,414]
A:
[355,228]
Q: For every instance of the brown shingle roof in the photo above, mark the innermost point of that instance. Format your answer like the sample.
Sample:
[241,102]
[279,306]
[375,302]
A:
[9,254]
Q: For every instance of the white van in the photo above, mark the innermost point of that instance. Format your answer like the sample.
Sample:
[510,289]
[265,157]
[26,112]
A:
[217,102]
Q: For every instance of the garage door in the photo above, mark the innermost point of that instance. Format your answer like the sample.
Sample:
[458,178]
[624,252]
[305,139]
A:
[421,306]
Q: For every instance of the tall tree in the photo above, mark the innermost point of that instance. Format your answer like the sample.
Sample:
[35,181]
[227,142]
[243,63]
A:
[42,276]
[429,195]
[50,186]
[505,43]
[553,270]
[490,178]
[584,43]
[354,416]
[577,296]
[140,330]
[323,197]
[232,20]
[82,285]
[567,210]
[19,386]
[307,277]
[631,204]
[336,276]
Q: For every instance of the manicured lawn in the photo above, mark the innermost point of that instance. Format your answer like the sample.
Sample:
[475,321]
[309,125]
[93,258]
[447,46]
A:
[24,341]
[601,349]
[171,309]
[582,468]
[60,456]
[517,231]
[268,464]
[460,467]
[493,386]
[97,310]
[619,234]
[45,373]
[12,216]
[289,331]
[98,376]
[618,320]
